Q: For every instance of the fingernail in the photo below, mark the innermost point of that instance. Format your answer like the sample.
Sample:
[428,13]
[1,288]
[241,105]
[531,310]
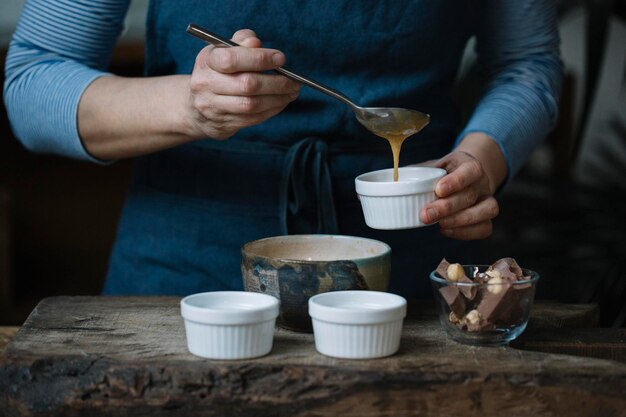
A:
[277,59]
[432,214]
[443,189]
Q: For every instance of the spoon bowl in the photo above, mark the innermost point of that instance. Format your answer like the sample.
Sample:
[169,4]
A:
[382,121]
[391,121]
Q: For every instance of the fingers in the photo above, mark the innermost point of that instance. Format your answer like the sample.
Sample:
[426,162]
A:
[242,105]
[467,172]
[476,231]
[246,93]
[445,207]
[465,206]
[471,223]
[249,56]
[250,84]
[239,71]
[484,210]
[241,58]
[230,89]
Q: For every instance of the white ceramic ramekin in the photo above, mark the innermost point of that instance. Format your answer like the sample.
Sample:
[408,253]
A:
[389,204]
[357,324]
[229,324]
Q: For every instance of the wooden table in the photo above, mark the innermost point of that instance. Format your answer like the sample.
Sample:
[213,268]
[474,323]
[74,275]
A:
[114,356]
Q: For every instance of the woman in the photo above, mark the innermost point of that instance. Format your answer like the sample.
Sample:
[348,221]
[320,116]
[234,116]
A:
[227,152]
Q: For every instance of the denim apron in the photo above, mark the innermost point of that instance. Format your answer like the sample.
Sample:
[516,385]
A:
[191,208]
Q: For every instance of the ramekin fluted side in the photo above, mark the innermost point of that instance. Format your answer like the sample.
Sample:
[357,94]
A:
[353,341]
[395,212]
[230,341]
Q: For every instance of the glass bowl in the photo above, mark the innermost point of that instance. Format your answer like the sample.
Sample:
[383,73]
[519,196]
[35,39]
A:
[480,313]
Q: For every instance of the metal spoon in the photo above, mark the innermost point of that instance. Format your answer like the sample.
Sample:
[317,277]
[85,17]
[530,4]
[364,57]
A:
[382,121]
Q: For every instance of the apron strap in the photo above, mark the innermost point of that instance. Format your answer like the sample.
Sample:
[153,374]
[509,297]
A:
[306,201]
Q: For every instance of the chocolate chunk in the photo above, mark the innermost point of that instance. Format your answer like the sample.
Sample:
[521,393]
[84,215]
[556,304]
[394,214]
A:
[452,296]
[442,268]
[469,291]
[523,297]
[497,307]
[508,268]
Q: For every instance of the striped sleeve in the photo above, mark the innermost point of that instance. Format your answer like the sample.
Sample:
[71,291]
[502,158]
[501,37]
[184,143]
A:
[517,45]
[59,47]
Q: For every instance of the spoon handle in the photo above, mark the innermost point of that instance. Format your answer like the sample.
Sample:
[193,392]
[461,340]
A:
[215,39]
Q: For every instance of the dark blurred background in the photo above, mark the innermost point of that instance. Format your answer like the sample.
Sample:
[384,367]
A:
[564,215]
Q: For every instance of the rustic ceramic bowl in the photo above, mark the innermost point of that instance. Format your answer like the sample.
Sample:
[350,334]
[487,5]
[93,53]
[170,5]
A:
[499,312]
[357,324]
[389,204]
[229,324]
[297,267]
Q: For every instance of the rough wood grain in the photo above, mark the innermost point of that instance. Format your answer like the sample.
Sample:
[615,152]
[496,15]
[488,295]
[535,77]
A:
[101,356]
[595,343]
[550,314]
